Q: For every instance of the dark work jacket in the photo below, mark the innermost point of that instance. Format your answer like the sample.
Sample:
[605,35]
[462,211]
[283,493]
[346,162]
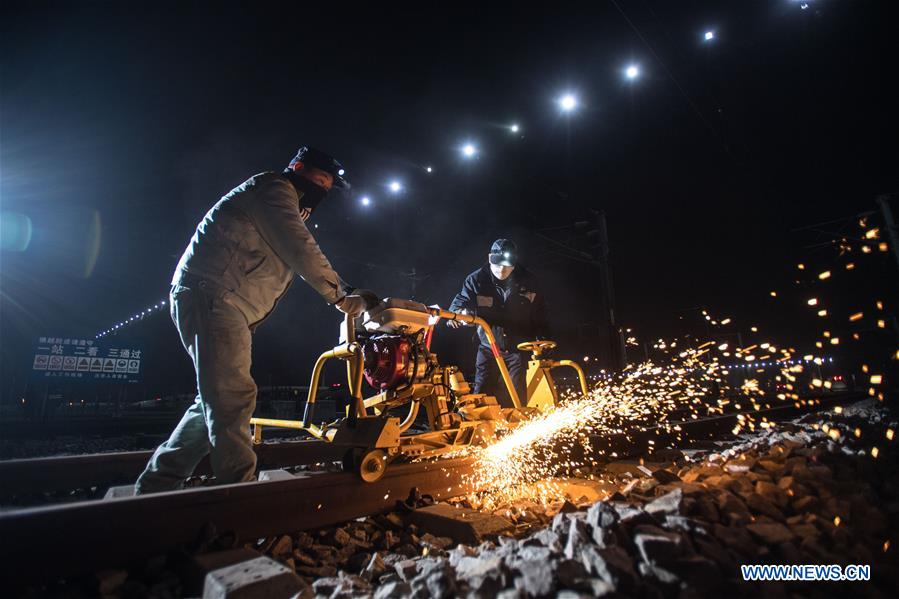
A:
[250,246]
[519,317]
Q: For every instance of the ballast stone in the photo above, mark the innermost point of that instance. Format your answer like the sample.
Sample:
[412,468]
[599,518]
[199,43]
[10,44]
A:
[259,577]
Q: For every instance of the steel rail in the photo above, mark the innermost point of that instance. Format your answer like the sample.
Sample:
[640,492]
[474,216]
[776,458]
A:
[64,473]
[38,475]
[88,535]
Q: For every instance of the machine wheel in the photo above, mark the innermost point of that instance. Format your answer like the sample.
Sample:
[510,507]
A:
[537,347]
[372,465]
[368,464]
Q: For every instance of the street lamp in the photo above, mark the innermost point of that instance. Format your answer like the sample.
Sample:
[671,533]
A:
[632,72]
[514,128]
[567,102]
[395,186]
[469,150]
[709,35]
[365,200]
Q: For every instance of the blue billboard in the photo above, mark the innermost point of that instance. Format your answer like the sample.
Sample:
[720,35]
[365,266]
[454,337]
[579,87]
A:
[87,360]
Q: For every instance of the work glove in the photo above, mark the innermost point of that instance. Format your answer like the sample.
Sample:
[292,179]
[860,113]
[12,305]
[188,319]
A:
[371,298]
[455,324]
[353,305]
[358,302]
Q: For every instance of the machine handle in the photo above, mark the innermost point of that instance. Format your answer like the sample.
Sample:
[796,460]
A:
[488,332]
[580,373]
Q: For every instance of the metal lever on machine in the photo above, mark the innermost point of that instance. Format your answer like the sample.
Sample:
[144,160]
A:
[488,332]
[354,369]
[349,351]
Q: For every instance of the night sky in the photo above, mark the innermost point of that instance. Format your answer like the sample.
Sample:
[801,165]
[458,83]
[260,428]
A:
[145,115]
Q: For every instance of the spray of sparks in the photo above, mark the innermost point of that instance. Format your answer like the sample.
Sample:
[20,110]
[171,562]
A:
[525,463]
[686,384]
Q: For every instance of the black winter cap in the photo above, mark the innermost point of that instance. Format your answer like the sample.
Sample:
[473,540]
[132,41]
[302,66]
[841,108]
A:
[503,252]
[323,161]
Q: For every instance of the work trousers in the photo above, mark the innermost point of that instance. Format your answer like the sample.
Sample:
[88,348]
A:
[217,337]
[487,378]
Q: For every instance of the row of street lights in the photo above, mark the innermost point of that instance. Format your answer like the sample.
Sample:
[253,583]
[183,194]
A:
[567,103]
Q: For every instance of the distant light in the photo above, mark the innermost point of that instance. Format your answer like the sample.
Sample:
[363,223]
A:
[341,172]
[429,169]
[514,128]
[632,72]
[316,225]
[469,150]
[568,102]
[396,186]
[365,200]
[709,36]
[804,5]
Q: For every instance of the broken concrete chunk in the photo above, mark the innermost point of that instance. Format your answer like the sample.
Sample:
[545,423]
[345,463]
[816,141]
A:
[568,571]
[407,569]
[771,534]
[460,524]
[435,577]
[282,547]
[260,577]
[658,546]
[548,538]
[374,569]
[760,505]
[536,577]
[611,564]
[577,537]
[601,515]
[476,567]
[392,590]
[665,477]
[668,504]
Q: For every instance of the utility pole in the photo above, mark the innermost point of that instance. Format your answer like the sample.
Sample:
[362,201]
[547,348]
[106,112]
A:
[593,248]
[602,253]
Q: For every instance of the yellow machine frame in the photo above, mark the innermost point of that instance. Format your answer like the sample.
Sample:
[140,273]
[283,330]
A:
[378,438]
[541,388]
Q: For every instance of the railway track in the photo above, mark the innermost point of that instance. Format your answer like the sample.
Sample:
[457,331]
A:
[23,477]
[102,470]
[95,534]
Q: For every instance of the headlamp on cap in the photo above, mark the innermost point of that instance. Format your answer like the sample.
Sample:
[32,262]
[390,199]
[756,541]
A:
[313,157]
[503,252]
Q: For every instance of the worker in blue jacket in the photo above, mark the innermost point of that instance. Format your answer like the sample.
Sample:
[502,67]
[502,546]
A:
[507,295]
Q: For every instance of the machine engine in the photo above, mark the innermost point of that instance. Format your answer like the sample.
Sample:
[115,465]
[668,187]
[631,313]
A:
[394,361]
[396,354]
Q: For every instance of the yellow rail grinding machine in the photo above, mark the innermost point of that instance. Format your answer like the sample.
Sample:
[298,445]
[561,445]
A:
[392,352]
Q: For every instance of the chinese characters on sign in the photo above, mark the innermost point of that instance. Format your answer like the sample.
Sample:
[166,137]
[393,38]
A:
[111,361]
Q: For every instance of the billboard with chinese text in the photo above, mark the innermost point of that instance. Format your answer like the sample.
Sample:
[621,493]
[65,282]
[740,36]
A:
[87,360]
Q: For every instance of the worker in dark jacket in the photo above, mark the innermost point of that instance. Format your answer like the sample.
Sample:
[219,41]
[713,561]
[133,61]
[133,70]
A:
[242,258]
[508,297]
